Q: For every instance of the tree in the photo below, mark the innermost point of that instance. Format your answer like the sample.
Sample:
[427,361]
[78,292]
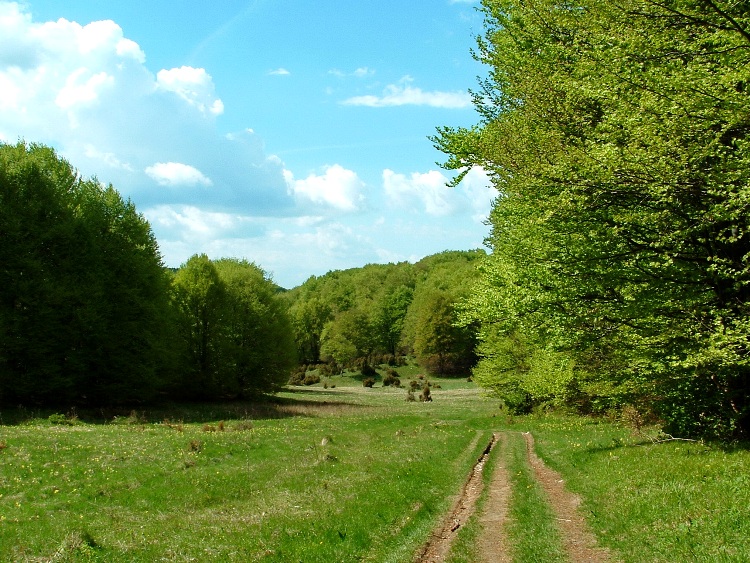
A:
[259,351]
[617,136]
[440,344]
[237,337]
[84,314]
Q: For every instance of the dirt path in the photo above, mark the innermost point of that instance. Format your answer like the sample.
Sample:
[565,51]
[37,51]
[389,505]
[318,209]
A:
[439,544]
[578,541]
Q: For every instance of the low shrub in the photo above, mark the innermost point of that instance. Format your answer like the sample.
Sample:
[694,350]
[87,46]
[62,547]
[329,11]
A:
[311,379]
[368,382]
[391,378]
[426,396]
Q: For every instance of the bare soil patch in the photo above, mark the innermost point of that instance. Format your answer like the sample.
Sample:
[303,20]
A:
[578,540]
[492,542]
[440,541]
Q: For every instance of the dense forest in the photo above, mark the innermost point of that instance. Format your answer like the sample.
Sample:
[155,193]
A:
[90,316]
[618,138]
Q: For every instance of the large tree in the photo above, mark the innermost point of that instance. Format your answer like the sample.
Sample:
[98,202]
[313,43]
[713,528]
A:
[618,136]
[83,293]
[237,337]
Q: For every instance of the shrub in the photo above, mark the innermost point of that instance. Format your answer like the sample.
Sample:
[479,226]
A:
[297,378]
[391,378]
[57,418]
[311,379]
[410,396]
[369,382]
[426,396]
[413,385]
[367,370]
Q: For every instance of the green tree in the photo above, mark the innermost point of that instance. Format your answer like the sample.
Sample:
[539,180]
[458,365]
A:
[617,136]
[84,311]
[259,350]
[201,302]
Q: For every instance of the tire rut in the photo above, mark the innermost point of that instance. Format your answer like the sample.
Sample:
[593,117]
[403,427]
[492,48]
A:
[578,541]
[439,544]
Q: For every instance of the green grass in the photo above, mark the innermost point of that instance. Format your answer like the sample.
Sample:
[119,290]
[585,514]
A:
[347,476]
[670,501]
[532,530]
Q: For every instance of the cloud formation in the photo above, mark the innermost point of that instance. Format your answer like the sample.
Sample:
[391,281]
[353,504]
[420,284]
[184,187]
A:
[194,85]
[429,191]
[177,174]
[403,94]
[86,90]
[337,188]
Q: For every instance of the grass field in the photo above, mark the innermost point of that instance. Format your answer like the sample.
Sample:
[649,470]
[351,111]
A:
[346,474]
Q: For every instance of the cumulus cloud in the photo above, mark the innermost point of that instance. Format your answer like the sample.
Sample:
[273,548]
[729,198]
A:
[403,94]
[279,72]
[337,188]
[177,174]
[360,72]
[194,85]
[86,90]
[429,190]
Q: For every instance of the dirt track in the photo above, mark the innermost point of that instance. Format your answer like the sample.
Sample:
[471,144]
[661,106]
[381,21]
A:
[578,541]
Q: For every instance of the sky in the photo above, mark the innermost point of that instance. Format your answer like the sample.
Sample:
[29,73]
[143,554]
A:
[290,133]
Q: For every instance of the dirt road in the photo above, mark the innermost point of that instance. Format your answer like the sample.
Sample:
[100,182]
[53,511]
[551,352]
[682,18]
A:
[492,545]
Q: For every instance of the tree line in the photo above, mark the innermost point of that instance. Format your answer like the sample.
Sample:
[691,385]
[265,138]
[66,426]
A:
[90,316]
[380,312]
[617,135]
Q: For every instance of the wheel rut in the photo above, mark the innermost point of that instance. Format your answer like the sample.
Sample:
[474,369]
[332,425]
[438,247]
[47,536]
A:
[492,543]
[438,546]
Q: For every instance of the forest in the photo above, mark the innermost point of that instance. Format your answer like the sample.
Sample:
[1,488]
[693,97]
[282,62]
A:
[90,316]
[617,274]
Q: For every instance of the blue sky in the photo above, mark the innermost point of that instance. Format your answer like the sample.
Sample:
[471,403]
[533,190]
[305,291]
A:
[287,132]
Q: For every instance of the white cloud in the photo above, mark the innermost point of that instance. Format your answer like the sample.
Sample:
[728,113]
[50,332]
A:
[430,191]
[177,174]
[194,85]
[337,187]
[279,72]
[83,87]
[360,72]
[403,94]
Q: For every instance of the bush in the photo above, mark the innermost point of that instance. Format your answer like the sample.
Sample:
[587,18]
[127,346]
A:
[410,396]
[297,378]
[369,382]
[367,370]
[311,379]
[426,396]
[391,378]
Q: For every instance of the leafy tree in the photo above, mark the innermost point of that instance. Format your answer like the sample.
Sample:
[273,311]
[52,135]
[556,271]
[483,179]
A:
[201,301]
[617,136]
[84,312]
[440,344]
[259,350]
[237,336]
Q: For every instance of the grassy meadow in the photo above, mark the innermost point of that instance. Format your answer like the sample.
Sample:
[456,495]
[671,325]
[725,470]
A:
[347,473]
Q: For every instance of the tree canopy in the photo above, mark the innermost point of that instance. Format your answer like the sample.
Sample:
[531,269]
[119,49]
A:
[617,135]
[84,302]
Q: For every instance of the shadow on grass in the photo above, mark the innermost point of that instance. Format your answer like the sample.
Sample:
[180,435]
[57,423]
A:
[270,407]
